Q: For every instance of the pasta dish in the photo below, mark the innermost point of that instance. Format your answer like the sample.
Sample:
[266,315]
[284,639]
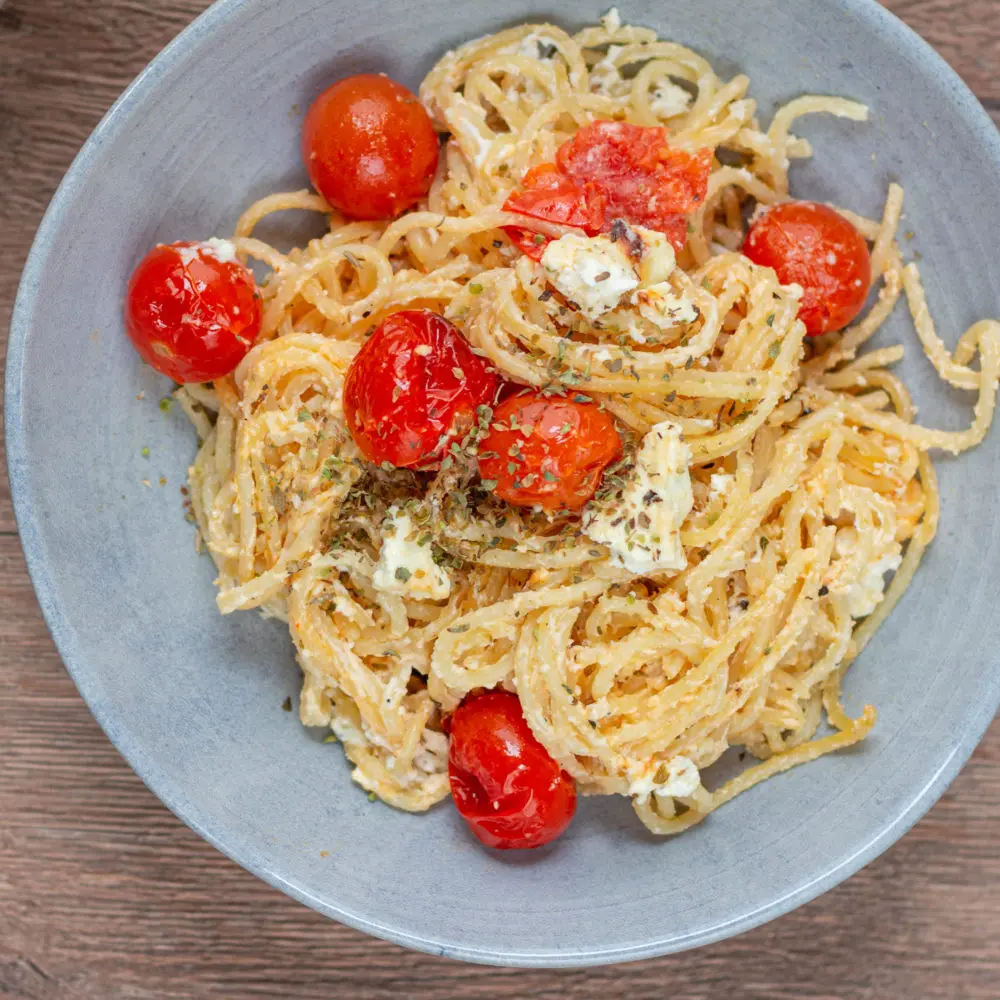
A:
[571,420]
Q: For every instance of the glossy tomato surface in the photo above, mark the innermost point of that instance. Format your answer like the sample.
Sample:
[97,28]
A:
[192,310]
[505,785]
[370,147]
[646,182]
[548,451]
[613,170]
[548,194]
[413,388]
[811,245]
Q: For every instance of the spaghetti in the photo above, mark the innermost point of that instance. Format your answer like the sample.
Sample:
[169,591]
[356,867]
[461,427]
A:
[809,479]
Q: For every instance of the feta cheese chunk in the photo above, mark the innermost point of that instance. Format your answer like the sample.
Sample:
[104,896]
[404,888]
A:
[681,781]
[405,567]
[669,100]
[658,258]
[593,273]
[864,596]
[224,250]
[221,250]
[642,528]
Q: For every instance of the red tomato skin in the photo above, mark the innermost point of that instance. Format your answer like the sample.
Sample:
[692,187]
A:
[646,182]
[400,404]
[611,170]
[370,147]
[550,195]
[192,316]
[505,785]
[573,442]
[813,246]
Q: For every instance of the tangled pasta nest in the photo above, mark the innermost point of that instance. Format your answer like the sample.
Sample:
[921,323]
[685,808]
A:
[809,477]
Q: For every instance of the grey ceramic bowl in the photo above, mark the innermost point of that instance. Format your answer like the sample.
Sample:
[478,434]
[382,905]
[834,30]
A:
[193,701]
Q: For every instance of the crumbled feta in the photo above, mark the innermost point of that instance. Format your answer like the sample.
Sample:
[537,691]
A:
[466,122]
[669,100]
[224,250]
[658,259]
[406,567]
[432,753]
[682,780]
[611,21]
[721,483]
[864,596]
[534,46]
[592,272]
[221,250]
[605,77]
[642,529]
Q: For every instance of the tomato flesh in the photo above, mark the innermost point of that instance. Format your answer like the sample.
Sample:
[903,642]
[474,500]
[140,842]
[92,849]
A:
[548,194]
[647,183]
[811,245]
[548,451]
[613,170]
[413,388]
[505,785]
[192,310]
[370,147]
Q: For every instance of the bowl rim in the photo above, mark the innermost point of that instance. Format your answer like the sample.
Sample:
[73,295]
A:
[212,20]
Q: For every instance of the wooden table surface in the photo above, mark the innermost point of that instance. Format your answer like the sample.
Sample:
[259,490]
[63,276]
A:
[104,894]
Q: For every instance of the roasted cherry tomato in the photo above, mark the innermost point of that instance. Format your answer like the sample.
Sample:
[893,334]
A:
[550,195]
[613,170]
[414,388]
[813,246]
[507,788]
[646,182]
[548,451]
[370,147]
[193,310]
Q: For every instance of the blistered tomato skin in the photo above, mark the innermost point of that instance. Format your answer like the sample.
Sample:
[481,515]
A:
[192,312]
[370,147]
[813,246]
[613,170]
[413,388]
[548,451]
[505,785]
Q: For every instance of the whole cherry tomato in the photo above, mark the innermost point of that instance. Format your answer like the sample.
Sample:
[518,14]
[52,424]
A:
[548,451]
[813,246]
[413,388]
[548,194]
[370,147]
[508,789]
[193,310]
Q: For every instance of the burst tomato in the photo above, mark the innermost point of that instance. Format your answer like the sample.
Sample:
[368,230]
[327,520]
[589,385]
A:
[647,183]
[611,170]
[548,194]
[370,147]
[193,310]
[413,388]
[547,451]
[813,246]
[505,785]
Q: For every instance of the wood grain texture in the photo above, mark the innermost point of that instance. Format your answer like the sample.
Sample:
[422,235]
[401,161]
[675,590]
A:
[103,894]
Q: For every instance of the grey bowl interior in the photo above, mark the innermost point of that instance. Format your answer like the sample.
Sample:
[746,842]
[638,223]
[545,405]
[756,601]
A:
[193,700]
